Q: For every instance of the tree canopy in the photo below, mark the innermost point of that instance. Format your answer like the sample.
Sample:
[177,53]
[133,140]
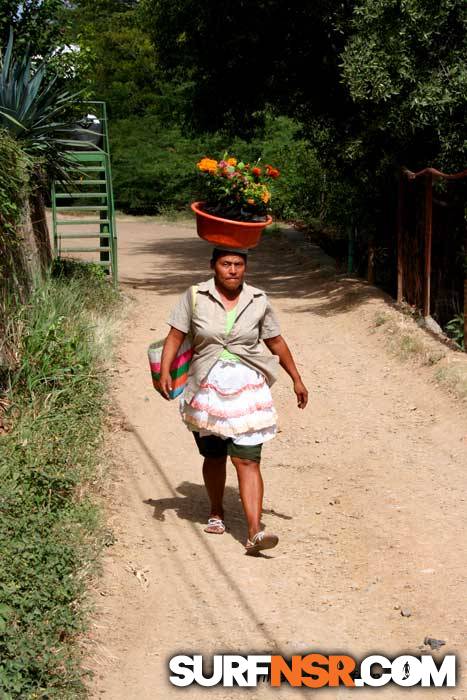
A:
[241,56]
[405,69]
[41,23]
[359,87]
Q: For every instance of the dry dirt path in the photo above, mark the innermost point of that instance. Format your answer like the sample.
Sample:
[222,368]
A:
[366,489]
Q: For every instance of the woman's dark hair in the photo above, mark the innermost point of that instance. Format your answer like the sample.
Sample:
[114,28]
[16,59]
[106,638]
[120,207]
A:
[219,252]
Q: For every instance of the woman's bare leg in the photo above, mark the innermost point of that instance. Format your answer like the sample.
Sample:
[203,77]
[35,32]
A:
[214,475]
[251,487]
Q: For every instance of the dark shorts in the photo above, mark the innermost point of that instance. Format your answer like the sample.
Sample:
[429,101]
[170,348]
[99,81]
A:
[213,446]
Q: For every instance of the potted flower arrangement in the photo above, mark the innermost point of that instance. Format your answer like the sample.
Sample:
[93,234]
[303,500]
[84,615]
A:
[237,201]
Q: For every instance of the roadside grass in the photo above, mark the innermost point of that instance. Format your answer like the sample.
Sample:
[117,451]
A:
[455,378]
[408,342]
[406,345]
[405,340]
[380,318]
[51,531]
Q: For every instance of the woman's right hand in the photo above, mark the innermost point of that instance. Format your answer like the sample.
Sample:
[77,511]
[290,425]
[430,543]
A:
[169,351]
[166,385]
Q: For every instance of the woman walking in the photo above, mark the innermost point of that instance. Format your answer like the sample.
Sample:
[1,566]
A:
[227,402]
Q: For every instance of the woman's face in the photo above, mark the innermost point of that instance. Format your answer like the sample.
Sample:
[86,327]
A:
[229,271]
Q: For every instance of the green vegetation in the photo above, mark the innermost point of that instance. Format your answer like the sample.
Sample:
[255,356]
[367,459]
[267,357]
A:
[14,189]
[154,166]
[338,96]
[55,336]
[455,379]
[404,65]
[36,110]
[40,24]
[120,65]
[14,184]
[347,93]
[50,532]
[455,328]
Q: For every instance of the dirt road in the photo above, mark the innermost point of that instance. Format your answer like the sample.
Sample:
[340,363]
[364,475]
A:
[366,489]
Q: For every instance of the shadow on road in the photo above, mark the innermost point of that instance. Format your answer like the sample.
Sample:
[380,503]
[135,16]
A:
[191,504]
[273,266]
[205,541]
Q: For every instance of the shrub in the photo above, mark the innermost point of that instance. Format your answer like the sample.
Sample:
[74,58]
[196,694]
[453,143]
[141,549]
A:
[455,329]
[153,165]
[49,531]
[14,276]
[36,110]
[15,169]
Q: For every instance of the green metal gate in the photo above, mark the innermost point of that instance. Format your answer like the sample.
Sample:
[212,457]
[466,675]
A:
[89,194]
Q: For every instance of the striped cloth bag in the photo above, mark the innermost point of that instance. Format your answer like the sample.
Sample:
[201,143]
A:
[181,364]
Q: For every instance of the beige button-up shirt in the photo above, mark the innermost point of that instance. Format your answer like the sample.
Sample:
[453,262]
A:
[255,321]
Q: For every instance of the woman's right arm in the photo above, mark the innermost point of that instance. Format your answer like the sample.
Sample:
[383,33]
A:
[171,346]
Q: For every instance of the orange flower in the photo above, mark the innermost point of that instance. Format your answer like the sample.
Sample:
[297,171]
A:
[266,196]
[232,161]
[250,200]
[207,165]
[256,171]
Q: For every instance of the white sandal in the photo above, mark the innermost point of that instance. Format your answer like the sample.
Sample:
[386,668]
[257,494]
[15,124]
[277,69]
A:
[215,526]
[261,540]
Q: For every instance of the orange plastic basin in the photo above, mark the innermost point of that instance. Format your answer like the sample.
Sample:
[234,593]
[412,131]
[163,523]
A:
[227,233]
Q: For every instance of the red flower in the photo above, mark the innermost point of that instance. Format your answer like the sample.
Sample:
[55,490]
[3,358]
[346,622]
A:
[256,171]
[272,172]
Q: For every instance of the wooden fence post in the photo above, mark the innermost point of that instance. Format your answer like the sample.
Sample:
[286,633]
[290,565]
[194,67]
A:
[400,223]
[428,238]
[465,284]
[371,261]
[465,311]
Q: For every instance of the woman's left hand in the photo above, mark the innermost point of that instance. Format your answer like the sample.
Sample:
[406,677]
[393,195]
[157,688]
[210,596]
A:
[279,347]
[301,393]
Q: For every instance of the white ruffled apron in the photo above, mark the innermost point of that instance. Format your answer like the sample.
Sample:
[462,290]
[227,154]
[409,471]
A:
[233,401]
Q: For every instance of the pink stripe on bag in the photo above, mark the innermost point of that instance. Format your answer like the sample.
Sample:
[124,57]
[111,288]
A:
[178,362]
[181,359]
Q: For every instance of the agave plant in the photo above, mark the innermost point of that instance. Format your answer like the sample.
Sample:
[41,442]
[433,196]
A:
[37,111]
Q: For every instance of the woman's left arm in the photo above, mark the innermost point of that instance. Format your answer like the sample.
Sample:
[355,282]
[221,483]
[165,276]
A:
[279,347]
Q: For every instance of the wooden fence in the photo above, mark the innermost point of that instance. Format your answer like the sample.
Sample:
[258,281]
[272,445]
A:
[415,240]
